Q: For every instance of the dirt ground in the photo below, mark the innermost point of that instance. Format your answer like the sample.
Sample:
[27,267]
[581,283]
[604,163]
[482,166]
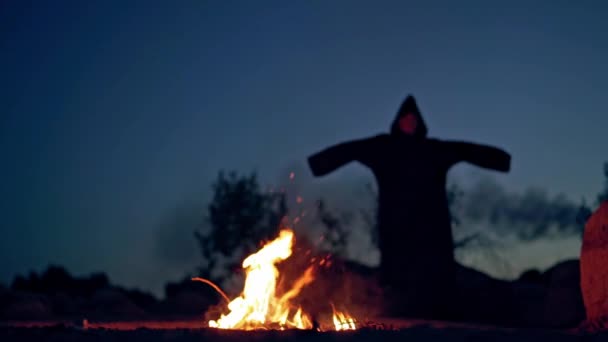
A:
[193,330]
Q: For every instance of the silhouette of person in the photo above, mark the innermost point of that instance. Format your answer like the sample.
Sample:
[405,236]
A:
[413,219]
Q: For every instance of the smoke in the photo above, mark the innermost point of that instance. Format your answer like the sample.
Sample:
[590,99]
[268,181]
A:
[527,215]
[483,206]
[496,216]
[493,216]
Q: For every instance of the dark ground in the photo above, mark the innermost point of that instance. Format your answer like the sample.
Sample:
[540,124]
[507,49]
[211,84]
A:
[391,331]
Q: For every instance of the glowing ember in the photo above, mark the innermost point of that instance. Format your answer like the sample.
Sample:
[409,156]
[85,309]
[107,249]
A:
[258,307]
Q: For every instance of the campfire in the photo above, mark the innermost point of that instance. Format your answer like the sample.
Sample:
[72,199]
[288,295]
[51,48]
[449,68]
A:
[260,306]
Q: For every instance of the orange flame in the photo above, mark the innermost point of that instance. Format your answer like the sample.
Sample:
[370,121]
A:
[258,307]
[342,321]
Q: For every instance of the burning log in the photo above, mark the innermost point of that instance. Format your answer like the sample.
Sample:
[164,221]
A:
[594,268]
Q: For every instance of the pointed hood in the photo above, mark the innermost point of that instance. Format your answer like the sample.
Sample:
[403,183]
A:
[409,106]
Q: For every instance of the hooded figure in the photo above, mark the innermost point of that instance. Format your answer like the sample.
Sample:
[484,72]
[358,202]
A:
[413,219]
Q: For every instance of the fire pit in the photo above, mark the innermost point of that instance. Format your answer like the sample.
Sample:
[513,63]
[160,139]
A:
[260,306]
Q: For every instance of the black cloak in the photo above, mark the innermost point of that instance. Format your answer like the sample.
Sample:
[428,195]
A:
[413,218]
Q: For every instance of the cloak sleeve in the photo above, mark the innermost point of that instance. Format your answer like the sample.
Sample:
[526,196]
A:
[331,158]
[488,157]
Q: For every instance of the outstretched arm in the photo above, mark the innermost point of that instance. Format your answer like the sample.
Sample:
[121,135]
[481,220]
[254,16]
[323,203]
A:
[481,155]
[333,157]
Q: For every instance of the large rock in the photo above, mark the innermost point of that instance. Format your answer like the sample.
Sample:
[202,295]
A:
[482,299]
[563,304]
[594,266]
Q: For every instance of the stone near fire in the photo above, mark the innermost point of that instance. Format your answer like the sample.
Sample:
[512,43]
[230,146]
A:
[563,303]
[594,267]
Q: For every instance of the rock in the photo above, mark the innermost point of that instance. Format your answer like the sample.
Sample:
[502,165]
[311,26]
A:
[532,277]
[528,299]
[565,273]
[563,307]
[594,266]
[483,299]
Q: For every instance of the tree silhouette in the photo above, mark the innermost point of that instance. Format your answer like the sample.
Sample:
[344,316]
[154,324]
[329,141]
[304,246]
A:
[239,216]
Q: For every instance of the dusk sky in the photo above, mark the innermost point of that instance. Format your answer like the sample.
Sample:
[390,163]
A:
[115,112]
